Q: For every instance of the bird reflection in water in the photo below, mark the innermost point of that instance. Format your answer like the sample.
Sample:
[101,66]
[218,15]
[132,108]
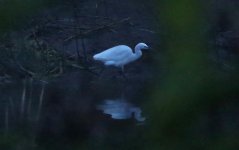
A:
[120,109]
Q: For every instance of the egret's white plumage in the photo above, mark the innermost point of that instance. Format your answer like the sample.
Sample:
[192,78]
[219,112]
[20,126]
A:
[120,55]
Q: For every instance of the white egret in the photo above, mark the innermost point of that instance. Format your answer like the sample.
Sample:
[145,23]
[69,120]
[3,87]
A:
[120,55]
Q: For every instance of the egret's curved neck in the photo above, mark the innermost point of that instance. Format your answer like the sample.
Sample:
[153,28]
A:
[138,52]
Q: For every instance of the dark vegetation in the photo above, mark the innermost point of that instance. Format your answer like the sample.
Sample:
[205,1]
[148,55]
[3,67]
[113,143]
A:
[66,35]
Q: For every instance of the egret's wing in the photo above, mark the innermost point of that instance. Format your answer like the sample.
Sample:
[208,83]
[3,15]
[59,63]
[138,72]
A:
[114,53]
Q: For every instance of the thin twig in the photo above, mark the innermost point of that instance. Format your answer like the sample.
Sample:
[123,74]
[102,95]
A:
[84,50]
[24,69]
[30,98]
[7,120]
[106,8]
[23,98]
[86,69]
[12,107]
[102,27]
[147,30]
[76,30]
[40,101]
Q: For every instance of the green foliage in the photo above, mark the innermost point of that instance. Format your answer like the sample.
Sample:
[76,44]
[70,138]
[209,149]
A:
[14,11]
[190,88]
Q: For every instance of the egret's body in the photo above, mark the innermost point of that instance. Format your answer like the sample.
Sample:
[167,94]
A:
[120,55]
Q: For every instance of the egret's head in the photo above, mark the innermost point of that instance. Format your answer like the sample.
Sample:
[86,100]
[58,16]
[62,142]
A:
[142,46]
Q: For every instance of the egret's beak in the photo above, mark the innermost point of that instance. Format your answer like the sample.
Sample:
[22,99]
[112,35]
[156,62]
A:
[146,47]
[149,50]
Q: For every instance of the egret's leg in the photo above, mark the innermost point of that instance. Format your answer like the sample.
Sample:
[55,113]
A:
[122,68]
[122,72]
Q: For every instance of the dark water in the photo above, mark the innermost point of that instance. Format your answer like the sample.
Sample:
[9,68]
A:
[75,110]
